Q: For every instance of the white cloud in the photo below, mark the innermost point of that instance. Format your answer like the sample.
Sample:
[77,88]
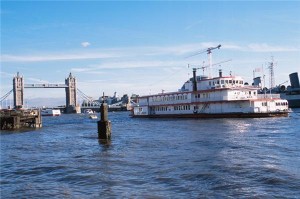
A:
[56,57]
[85,44]
[175,51]
[192,25]
[178,51]
[263,47]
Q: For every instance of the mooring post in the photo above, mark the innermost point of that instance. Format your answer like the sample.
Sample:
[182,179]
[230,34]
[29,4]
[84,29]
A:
[104,125]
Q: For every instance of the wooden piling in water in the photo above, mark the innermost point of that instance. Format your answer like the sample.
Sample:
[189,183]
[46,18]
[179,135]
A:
[104,125]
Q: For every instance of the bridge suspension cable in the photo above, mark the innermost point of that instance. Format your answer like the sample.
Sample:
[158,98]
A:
[6,95]
[89,99]
[84,96]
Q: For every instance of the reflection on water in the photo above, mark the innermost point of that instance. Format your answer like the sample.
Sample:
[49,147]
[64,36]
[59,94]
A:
[153,158]
[105,143]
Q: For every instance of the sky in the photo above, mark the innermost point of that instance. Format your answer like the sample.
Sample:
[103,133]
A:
[143,47]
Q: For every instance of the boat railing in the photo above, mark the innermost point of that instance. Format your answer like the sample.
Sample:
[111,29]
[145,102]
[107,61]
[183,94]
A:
[265,96]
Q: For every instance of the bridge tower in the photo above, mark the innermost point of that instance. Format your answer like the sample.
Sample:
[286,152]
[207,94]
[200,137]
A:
[18,90]
[71,98]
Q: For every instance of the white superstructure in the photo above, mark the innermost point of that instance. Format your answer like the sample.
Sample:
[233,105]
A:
[204,97]
[50,112]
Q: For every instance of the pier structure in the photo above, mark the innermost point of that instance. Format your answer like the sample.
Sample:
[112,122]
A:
[16,119]
[69,86]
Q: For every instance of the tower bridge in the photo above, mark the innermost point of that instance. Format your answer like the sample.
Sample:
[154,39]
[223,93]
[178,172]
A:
[71,90]
[69,86]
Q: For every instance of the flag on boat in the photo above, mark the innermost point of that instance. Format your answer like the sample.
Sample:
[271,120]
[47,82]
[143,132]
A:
[258,70]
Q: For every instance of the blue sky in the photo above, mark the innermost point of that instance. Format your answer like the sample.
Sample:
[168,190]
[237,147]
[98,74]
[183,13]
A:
[141,47]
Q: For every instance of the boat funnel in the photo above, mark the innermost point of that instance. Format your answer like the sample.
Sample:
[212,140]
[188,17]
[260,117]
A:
[294,79]
[257,81]
[220,73]
[194,80]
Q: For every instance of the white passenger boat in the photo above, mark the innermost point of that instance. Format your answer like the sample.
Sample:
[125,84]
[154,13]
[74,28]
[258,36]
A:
[50,112]
[93,116]
[88,111]
[207,97]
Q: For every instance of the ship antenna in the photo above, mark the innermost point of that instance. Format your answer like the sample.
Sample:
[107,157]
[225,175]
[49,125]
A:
[271,73]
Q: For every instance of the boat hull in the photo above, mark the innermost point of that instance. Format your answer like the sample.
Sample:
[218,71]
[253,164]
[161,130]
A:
[219,115]
[50,112]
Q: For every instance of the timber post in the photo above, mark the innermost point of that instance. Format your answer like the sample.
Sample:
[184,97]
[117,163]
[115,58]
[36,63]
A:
[104,125]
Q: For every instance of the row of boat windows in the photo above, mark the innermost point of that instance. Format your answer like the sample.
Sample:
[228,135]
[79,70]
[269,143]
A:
[264,103]
[184,107]
[281,103]
[176,108]
[246,92]
[169,98]
[204,95]
[225,82]
[277,103]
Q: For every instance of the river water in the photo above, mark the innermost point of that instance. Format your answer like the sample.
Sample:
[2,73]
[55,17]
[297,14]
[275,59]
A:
[153,158]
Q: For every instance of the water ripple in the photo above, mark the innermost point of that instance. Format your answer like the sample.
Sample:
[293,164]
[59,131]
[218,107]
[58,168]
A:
[153,158]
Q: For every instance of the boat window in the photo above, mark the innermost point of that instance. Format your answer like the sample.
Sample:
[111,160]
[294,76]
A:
[209,83]
[230,81]
[222,81]
[226,81]
[218,82]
